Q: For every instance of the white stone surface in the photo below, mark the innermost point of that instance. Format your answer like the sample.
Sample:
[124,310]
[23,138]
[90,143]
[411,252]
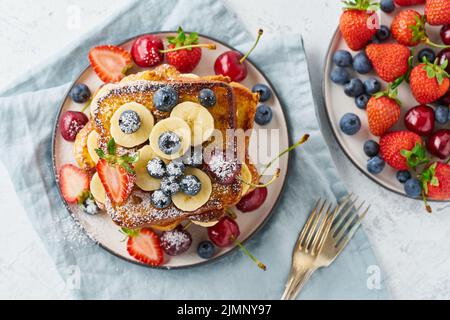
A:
[412,246]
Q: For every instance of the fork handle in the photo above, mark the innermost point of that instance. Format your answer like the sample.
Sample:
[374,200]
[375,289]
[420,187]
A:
[296,281]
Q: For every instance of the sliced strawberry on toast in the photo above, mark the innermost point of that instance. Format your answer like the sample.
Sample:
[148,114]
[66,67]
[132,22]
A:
[116,173]
[73,182]
[110,63]
[144,245]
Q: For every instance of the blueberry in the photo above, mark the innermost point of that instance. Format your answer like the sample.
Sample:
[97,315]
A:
[129,122]
[194,158]
[361,63]
[362,100]
[375,165]
[403,176]
[350,123]
[383,33]
[207,98]
[371,148]
[413,188]
[340,76]
[90,207]
[263,115]
[160,200]
[387,6]
[169,142]
[264,92]
[190,185]
[372,86]
[175,168]
[354,88]
[170,185]
[80,93]
[428,54]
[165,99]
[205,249]
[442,114]
[156,168]
[342,58]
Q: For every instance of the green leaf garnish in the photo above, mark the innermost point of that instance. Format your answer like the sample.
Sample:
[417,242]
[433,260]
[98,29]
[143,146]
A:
[111,146]
[416,157]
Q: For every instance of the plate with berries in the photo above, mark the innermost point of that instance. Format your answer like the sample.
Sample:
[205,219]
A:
[387,93]
[140,164]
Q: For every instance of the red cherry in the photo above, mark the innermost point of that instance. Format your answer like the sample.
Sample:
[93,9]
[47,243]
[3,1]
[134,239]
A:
[446,98]
[71,123]
[439,144]
[445,34]
[444,55]
[146,51]
[224,233]
[231,63]
[253,200]
[420,120]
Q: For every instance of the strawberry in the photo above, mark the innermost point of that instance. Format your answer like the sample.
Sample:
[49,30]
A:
[116,173]
[390,60]
[408,28]
[436,181]
[144,245]
[429,81]
[405,3]
[383,111]
[110,63]
[355,23]
[402,149]
[73,182]
[437,12]
[184,52]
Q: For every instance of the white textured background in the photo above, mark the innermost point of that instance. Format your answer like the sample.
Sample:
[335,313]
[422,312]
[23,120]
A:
[412,246]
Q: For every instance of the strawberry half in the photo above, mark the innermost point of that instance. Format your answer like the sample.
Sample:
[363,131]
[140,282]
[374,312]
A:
[144,245]
[73,182]
[110,63]
[116,173]
[402,149]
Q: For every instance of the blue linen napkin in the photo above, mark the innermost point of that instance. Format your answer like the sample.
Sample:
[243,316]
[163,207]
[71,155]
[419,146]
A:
[31,105]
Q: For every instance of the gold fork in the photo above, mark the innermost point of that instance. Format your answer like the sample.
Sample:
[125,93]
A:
[323,237]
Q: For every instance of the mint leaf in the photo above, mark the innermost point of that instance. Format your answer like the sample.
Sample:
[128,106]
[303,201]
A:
[101,154]
[111,146]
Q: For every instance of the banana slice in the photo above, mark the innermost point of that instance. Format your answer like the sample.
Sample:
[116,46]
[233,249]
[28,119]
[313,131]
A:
[246,176]
[92,144]
[180,128]
[198,118]
[191,203]
[189,76]
[138,137]
[166,227]
[205,224]
[97,189]
[143,179]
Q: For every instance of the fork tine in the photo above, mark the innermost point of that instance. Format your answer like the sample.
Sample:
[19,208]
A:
[328,228]
[322,233]
[308,222]
[342,216]
[353,218]
[314,228]
[346,238]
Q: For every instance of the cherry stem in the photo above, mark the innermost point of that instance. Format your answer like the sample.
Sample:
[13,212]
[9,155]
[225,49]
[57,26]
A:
[257,185]
[298,143]
[187,225]
[209,46]
[427,206]
[254,259]
[231,213]
[431,43]
[88,103]
[260,33]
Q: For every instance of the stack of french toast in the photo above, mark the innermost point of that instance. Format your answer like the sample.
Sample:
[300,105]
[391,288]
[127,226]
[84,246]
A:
[156,124]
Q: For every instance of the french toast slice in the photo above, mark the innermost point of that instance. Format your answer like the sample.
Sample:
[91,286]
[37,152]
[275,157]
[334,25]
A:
[137,211]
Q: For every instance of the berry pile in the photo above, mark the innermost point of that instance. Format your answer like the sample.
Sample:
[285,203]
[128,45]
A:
[421,152]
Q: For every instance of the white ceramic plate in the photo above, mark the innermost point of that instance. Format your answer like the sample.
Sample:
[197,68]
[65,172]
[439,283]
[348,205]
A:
[337,104]
[101,229]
